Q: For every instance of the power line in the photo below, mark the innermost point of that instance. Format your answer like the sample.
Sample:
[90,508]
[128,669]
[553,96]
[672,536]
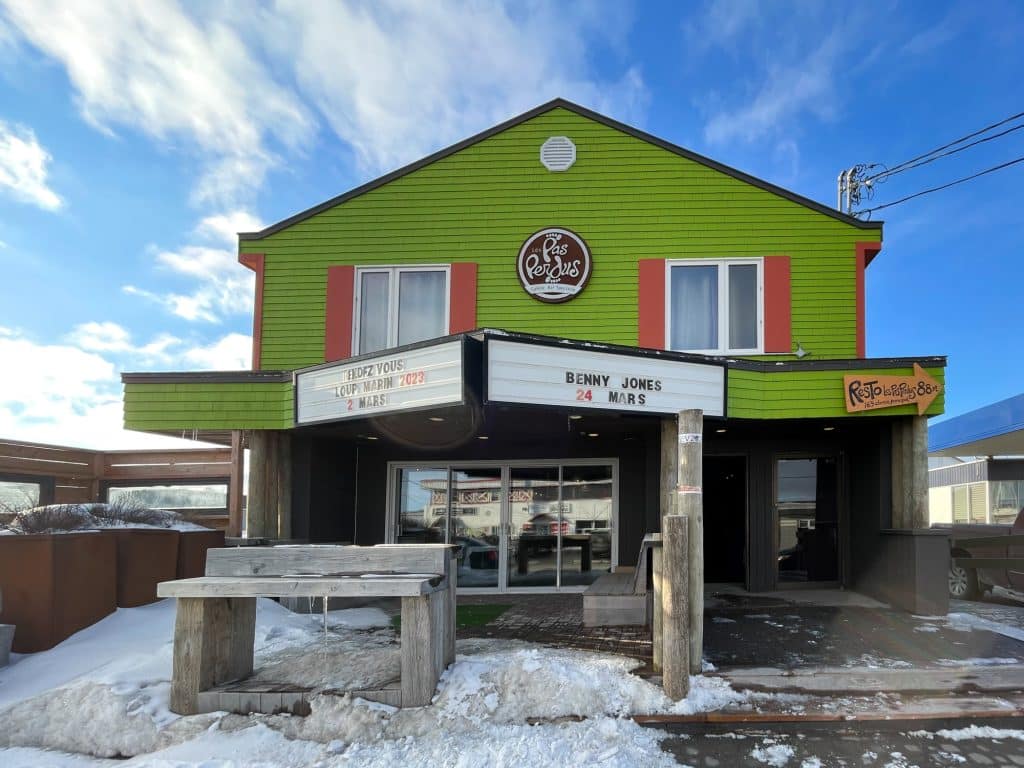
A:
[962,139]
[892,172]
[944,186]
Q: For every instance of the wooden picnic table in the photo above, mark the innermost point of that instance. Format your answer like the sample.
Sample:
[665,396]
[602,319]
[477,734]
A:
[214,631]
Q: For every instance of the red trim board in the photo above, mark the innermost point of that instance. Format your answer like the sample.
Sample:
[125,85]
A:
[256,262]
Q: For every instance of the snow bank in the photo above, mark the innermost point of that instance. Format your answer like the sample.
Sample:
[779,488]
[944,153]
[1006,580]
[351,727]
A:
[105,692]
[971,732]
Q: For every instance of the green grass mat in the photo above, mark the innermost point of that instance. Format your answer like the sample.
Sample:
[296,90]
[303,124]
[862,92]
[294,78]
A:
[468,615]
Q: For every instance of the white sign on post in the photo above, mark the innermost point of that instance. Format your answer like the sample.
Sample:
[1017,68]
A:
[577,378]
[418,378]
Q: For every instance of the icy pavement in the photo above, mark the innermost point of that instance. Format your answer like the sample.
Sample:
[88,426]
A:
[104,693]
[801,747]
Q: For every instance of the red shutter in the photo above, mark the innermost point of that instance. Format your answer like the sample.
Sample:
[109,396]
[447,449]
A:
[865,253]
[255,262]
[651,308]
[341,284]
[778,332]
[462,298]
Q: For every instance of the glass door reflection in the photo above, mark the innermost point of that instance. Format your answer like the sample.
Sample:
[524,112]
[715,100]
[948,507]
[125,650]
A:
[587,523]
[475,524]
[534,527]
[423,506]
[807,514]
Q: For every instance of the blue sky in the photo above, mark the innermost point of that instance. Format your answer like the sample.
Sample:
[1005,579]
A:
[136,138]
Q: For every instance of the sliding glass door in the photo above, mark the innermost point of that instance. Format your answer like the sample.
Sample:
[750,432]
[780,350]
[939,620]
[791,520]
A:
[518,525]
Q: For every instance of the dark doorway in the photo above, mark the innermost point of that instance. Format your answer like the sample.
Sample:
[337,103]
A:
[808,519]
[725,519]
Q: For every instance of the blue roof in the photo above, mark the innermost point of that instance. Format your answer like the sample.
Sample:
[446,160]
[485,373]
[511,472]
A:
[993,430]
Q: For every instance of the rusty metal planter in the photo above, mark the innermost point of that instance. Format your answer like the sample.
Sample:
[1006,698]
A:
[192,546]
[55,585]
[145,557]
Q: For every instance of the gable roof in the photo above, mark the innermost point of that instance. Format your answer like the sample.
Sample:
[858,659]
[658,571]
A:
[583,112]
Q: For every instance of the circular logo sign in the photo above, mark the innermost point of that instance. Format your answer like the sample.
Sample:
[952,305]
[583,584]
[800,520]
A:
[554,265]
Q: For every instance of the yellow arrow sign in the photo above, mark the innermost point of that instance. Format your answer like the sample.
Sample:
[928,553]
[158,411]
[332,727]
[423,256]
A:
[865,393]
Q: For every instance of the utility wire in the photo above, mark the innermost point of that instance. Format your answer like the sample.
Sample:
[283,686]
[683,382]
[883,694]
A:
[884,175]
[944,186]
[962,139]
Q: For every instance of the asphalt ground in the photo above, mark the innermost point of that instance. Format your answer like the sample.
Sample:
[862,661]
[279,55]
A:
[817,745]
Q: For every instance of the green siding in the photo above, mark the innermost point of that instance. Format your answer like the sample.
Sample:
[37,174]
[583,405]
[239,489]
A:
[187,407]
[810,394]
[627,198]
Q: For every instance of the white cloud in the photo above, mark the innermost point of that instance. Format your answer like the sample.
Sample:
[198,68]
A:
[396,80]
[790,62]
[222,286]
[24,167]
[70,393]
[150,66]
[789,91]
[230,353]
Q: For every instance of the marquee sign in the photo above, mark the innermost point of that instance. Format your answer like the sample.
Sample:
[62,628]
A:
[418,378]
[554,265]
[866,393]
[576,378]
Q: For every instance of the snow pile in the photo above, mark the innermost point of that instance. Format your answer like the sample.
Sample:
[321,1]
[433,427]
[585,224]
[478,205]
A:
[772,754]
[971,732]
[105,692]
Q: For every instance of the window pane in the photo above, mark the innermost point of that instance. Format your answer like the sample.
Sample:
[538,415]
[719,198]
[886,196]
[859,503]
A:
[373,311]
[194,498]
[17,496]
[742,306]
[694,307]
[423,506]
[796,481]
[420,306]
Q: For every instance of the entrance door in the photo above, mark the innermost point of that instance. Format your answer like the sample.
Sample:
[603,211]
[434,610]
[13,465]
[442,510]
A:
[806,506]
[725,519]
[516,525]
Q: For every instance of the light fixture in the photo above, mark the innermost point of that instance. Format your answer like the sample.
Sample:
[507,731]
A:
[720,431]
[372,437]
[828,429]
[482,437]
[592,434]
[436,418]
[800,353]
[575,416]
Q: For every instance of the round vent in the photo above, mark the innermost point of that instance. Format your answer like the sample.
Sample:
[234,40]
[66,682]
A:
[558,153]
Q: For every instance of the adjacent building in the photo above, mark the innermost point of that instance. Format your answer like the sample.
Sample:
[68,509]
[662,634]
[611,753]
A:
[489,347]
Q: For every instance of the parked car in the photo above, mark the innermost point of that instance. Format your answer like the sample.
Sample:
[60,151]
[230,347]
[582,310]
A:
[476,553]
[967,583]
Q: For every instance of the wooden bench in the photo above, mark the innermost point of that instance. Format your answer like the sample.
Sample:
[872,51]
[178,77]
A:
[215,626]
[621,598]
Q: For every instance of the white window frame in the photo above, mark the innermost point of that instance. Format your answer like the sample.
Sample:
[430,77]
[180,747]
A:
[723,304]
[394,271]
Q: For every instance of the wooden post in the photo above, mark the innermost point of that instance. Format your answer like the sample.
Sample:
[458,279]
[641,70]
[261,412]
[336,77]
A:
[423,646]
[269,512]
[667,504]
[213,644]
[690,503]
[657,617]
[235,484]
[675,607]
[256,509]
[283,522]
[917,434]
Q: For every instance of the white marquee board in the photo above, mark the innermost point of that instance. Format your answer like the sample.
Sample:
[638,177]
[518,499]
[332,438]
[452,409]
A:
[577,378]
[418,378]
